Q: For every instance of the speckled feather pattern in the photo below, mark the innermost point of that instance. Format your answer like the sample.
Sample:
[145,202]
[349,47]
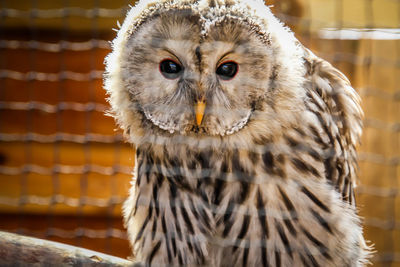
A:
[268,178]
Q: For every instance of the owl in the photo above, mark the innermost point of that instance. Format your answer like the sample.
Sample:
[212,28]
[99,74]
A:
[245,140]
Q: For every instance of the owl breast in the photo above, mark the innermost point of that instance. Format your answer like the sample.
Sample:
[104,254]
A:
[237,207]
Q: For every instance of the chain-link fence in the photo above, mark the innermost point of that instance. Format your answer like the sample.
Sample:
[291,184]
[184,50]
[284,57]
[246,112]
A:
[64,171]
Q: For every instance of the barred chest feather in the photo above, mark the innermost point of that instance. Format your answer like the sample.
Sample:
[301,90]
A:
[276,204]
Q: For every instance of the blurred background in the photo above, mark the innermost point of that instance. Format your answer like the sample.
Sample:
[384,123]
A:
[65,168]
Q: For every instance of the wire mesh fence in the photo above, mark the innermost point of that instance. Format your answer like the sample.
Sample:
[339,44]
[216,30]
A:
[65,171]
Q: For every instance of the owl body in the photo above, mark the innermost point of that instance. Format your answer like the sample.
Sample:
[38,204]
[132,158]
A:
[264,173]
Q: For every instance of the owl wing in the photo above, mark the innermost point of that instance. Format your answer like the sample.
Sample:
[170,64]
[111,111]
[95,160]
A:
[337,107]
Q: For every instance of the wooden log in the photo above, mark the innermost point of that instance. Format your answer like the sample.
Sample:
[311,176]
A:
[18,250]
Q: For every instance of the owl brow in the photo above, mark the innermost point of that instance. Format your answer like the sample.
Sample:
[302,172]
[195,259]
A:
[224,55]
[172,54]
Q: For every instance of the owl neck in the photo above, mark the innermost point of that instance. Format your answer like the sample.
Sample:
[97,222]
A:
[181,164]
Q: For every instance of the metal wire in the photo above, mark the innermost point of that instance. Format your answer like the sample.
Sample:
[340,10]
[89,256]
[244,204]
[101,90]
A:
[93,13]
[51,77]
[56,47]
[78,232]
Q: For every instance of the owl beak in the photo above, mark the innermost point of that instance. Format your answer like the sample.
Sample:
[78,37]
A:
[199,108]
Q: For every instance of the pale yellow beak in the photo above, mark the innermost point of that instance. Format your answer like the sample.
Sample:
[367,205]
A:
[199,108]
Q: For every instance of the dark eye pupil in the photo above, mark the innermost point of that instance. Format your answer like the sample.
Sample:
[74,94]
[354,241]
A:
[227,70]
[170,69]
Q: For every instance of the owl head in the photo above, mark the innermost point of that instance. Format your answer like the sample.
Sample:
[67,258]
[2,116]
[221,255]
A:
[223,69]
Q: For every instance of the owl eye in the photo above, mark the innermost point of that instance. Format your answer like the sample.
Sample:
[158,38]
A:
[226,71]
[170,69]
